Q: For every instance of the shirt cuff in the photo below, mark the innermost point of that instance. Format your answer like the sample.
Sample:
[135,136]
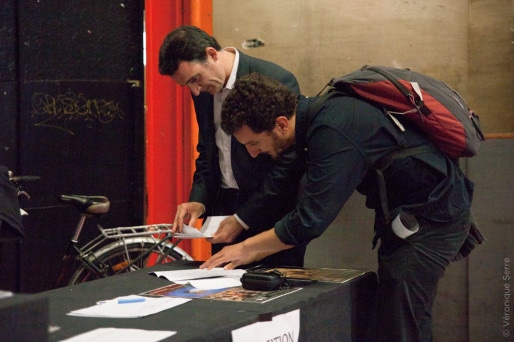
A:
[241,222]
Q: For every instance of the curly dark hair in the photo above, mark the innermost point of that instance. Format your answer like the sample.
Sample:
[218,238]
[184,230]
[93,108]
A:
[256,101]
[185,43]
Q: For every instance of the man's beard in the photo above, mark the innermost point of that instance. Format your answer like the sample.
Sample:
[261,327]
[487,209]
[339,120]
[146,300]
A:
[278,146]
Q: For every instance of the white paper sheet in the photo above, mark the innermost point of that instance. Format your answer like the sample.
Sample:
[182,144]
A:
[210,226]
[111,308]
[5,294]
[212,283]
[197,273]
[125,335]
[284,327]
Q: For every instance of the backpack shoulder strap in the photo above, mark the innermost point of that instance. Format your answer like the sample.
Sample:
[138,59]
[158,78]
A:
[314,107]
[413,98]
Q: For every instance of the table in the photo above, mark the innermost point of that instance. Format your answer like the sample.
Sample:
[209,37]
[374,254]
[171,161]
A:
[23,318]
[328,311]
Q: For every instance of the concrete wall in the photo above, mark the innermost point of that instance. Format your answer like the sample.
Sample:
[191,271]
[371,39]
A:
[490,274]
[468,44]
[491,63]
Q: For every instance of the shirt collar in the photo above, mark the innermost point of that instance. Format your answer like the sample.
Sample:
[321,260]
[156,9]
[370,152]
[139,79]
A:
[233,74]
[302,121]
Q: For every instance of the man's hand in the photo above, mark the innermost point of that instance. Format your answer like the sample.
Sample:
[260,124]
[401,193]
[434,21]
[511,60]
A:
[190,212]
[228,231]
[232,256]
[250,250]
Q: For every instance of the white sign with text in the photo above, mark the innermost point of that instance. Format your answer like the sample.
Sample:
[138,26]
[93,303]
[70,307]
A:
[284,328]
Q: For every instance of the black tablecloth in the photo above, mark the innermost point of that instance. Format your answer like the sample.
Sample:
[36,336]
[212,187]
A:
[328,311]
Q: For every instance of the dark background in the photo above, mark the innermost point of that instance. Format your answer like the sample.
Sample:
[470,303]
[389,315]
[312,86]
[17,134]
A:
[70,114]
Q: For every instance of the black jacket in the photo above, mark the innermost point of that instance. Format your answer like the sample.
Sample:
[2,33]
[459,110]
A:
[248,172]
[336,148]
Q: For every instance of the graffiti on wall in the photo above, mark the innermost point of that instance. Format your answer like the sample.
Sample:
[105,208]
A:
[62,110]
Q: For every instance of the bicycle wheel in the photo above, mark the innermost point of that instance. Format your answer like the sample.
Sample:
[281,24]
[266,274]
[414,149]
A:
[118,255]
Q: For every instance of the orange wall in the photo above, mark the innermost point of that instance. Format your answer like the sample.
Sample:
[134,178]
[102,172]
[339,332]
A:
[171,129]
[201,16]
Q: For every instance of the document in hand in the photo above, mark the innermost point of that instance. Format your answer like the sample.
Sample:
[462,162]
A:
[210,226]
[123,307]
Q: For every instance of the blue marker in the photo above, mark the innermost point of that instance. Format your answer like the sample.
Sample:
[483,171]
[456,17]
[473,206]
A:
[129,300]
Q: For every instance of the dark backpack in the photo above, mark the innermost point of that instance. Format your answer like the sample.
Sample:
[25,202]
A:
[435,107]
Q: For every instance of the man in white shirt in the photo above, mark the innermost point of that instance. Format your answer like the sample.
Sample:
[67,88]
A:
[227,180]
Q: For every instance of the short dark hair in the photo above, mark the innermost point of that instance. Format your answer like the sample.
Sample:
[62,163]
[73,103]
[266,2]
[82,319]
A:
[185,43]
[256,101]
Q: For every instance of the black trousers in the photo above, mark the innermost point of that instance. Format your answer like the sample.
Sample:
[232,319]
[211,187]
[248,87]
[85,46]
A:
[409,271]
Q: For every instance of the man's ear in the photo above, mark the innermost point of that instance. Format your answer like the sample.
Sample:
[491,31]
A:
[211,52]
[282,123]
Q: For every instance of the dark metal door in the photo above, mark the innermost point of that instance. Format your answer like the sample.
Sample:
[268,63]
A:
[80,120]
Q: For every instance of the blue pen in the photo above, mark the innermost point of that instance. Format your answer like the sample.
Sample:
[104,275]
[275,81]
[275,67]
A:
[130,300]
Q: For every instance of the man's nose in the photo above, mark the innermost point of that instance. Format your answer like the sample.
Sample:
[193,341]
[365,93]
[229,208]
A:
[254,152]
[195,89]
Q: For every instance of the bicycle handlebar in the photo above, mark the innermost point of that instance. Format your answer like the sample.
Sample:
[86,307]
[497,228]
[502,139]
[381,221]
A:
[24,178]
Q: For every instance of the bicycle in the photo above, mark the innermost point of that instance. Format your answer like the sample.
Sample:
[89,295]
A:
[114,250]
